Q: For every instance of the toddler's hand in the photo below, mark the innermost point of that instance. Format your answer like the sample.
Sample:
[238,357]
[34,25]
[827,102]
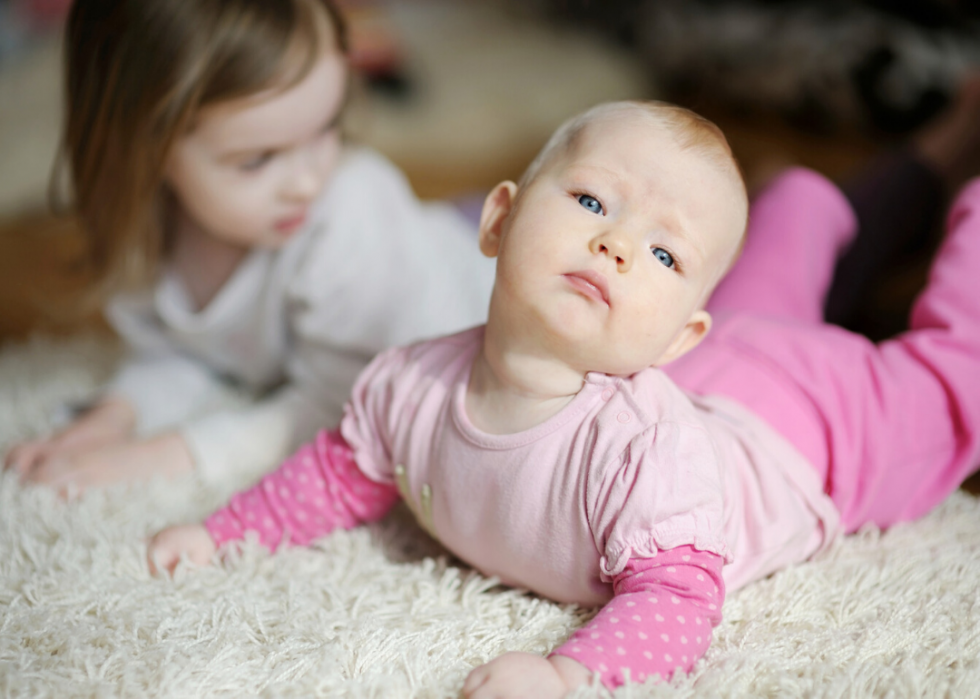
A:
[109,422]
[137,460]
[23,457]
[166,548]
[517,675]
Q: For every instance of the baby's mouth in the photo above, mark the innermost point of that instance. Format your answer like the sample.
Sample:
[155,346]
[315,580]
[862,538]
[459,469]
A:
[590,284]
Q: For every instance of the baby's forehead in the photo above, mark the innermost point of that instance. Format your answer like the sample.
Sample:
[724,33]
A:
[604,130]
[640,137]
[645,130]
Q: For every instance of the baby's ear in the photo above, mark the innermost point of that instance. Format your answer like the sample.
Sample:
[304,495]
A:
[690,337]
[496,207]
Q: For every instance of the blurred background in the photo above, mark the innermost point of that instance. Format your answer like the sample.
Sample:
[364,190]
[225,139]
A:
[461,94]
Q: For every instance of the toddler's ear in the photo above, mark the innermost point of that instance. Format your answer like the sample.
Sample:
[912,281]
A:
[496,207]
[690,337]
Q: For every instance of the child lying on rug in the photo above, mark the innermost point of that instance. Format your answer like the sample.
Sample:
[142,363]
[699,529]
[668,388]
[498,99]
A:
[557,449]
[237,239]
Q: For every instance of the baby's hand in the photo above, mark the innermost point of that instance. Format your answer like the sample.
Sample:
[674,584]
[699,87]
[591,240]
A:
[517,675]
[165,549]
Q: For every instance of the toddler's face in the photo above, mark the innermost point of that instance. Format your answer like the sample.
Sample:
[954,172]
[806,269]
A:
[250,168]
[607,256]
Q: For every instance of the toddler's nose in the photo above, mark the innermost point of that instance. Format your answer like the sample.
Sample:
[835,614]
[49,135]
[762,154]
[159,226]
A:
[304,180]
[616,246]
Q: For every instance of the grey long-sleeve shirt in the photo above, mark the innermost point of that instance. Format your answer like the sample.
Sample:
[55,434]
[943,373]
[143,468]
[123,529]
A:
[374,267]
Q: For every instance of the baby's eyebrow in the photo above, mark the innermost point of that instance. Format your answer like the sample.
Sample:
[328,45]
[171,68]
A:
[685,243]
[678,233]
[593,171]
[587,174]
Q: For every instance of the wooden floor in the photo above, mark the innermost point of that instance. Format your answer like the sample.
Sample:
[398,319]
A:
[38,282]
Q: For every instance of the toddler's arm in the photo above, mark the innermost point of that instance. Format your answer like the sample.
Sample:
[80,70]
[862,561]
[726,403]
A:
[659,620]
[316,490]
[247,440]
[184,395]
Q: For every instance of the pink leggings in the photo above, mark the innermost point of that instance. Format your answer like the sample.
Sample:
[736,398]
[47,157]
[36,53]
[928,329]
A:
[893,427]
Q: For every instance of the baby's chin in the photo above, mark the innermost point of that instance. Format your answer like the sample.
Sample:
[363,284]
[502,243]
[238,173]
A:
[584,353]
[617,367]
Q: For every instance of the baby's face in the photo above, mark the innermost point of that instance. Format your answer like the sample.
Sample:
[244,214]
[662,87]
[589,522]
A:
[607,257]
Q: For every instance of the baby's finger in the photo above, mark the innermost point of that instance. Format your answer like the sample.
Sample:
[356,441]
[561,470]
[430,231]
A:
[161,559]
[476,679]
[162,554]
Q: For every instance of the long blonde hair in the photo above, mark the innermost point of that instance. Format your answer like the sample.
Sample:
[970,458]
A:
[137,72]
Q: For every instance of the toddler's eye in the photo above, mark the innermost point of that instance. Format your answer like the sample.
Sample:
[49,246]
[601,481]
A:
[590,203]
[665,257]
[255,163]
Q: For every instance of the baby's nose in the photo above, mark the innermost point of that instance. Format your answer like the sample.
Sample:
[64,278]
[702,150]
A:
[618,247]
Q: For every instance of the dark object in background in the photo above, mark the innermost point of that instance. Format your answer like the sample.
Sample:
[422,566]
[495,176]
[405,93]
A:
[883,65]
[931,14]
[886,115]
[899,202]
[881,68]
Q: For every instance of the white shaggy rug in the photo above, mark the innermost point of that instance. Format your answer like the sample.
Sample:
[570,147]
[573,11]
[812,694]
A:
[383,612]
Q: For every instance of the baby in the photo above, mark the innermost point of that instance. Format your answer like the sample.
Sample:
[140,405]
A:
[549,448]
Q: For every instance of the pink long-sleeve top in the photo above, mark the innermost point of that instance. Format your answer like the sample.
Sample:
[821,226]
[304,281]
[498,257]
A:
[633,497]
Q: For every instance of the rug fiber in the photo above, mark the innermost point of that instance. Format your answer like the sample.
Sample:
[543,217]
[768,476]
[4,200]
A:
[384,612]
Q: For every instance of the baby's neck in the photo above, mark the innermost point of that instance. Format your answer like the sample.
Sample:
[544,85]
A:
[511,391]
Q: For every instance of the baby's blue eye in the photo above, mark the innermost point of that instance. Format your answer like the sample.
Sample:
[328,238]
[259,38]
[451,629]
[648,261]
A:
[590,203]
[663,256]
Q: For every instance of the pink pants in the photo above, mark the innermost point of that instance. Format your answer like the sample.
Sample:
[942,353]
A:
[892,427]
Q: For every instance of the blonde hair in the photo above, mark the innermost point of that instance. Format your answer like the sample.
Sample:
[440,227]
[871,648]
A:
[137,73]
[690,130]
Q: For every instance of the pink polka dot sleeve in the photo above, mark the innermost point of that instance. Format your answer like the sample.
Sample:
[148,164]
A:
[316,490]
[659,620]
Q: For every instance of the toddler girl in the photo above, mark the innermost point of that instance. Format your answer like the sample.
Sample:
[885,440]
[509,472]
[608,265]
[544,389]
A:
[594,444]
[241,241]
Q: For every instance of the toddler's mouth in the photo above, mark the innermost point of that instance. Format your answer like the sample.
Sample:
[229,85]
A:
[590,284]
[290,224]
